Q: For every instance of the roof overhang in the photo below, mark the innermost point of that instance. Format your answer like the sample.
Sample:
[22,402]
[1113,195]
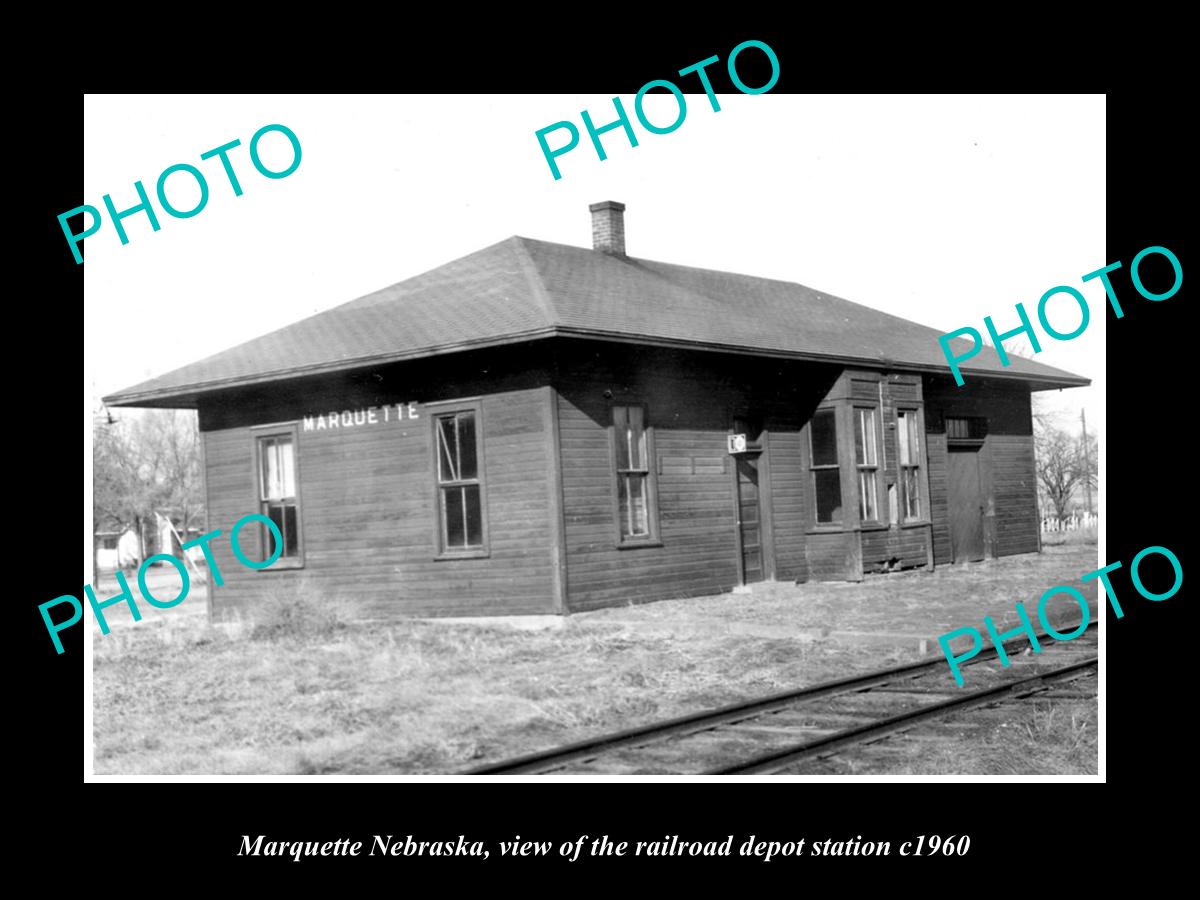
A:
[188,396]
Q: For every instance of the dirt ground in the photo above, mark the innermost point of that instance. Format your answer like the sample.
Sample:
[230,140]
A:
[306,690]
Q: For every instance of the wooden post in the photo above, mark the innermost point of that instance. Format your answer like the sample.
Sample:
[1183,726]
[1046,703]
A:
[1087,465]
[848,475]
[558,526]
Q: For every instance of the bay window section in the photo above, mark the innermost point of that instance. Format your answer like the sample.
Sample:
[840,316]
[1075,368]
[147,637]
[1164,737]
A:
[867,460]
[908,441]
[827,481]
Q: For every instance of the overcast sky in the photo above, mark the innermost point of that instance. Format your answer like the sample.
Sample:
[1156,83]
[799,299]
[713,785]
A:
[941,210]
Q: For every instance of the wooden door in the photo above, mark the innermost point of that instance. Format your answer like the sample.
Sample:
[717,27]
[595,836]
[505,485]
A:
[966,505]
[749,511]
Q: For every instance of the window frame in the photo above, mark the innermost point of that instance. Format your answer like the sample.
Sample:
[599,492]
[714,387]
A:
[917,430]
[437,412]
[839,523]
[863,468]
[268,432]
[653,537]
[977,430]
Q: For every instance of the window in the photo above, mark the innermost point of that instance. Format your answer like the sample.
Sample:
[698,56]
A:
[460,487]
[635,490]
[966,429]
[827,481]
[109,543]
[277,496]
[867,459]
[908,441]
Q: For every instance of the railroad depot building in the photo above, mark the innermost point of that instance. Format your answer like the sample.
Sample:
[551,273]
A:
[539,428]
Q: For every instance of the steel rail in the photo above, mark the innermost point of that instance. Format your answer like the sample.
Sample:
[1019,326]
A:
[781,759]
[556,757]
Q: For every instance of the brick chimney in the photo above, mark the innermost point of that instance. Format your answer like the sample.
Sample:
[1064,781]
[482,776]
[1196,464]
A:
[608,227]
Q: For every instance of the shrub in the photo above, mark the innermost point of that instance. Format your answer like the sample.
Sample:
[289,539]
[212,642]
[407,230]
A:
[298,610]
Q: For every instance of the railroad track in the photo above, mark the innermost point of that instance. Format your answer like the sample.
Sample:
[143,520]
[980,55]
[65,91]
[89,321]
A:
[784,732]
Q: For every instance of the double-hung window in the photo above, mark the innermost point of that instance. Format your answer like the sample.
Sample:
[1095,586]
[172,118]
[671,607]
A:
[867,459]
[908,441]
[635,488]
[278,498]
[827,479]
[461,511]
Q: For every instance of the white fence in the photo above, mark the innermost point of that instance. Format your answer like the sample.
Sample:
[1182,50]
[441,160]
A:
[1073,522]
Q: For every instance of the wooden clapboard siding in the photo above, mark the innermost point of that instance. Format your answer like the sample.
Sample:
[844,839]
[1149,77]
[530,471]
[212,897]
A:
[791,512]
[856,547]
[895,548]
[367,493]
[695,511]
[831,555]
[691,400]
[367,498]
[935,446]
[864,388]
[1015,482]
[1007,466]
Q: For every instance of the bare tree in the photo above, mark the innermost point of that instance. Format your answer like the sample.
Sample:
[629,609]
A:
[1090,463]
[167,443]
[122,489]
[1059,467]
[118,495]
[143,465]
[1063,466]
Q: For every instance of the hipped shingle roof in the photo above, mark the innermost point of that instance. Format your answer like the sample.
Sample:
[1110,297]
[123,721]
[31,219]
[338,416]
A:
[522,289]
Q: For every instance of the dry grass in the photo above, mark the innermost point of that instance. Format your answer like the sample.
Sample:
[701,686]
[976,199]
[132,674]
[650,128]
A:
[1033,738]
[299,614]
[1080,536]
[305,689]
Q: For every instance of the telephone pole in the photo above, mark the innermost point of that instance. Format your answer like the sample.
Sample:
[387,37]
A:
[1087,465]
